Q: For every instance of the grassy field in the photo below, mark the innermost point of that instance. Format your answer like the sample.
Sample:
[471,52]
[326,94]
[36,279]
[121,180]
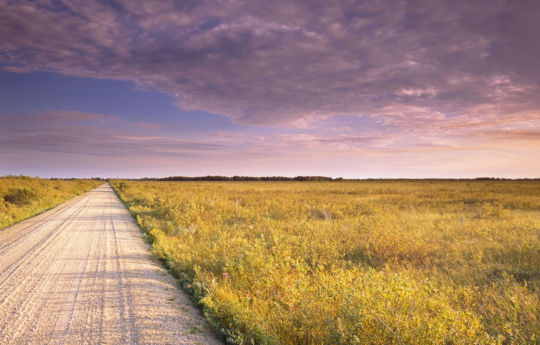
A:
[22,197]
[370,262]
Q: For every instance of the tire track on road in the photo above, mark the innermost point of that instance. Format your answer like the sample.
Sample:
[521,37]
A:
[82,274]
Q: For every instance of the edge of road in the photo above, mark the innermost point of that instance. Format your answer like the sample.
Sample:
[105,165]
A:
[166,266]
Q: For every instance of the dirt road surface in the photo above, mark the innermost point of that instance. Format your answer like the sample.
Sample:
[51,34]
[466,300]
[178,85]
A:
[82,274]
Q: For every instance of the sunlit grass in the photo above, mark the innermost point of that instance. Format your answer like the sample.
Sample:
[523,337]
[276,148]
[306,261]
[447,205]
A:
[391,262]
[22,197]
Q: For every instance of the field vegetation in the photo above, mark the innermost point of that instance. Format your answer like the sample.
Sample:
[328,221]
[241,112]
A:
[364,262]
[22,197]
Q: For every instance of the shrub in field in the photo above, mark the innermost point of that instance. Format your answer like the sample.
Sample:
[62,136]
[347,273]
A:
[19,196]
[366,262]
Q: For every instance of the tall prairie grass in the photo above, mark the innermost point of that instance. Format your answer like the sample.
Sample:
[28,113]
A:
[370,262]
[22,197]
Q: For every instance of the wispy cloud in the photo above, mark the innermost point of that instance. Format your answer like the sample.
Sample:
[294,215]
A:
[45,118]
[91,134]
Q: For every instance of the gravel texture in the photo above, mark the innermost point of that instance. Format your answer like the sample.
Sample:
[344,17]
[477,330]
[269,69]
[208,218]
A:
[82,274]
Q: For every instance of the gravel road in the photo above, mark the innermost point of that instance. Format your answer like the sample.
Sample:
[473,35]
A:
[82,274]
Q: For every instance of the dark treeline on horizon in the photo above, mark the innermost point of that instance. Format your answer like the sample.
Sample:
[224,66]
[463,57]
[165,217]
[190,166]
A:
[277,178]
[243,178]
[314,178]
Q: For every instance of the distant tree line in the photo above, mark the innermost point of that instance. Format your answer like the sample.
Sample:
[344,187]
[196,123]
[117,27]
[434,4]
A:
[317,178]
[243,178]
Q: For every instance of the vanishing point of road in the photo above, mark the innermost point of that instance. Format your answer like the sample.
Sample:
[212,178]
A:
[82,274]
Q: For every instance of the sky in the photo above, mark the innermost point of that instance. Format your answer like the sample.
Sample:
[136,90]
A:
[354,89]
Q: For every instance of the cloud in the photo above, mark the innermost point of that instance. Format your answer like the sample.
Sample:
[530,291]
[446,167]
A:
[90,134]
[511,136]
[45,118]
[82,147]
[294,62]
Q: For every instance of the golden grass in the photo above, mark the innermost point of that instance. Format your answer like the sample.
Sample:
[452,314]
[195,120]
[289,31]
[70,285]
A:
[22,197]
[371,262]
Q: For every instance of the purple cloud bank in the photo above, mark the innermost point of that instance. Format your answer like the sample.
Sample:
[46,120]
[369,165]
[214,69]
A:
[415,65]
